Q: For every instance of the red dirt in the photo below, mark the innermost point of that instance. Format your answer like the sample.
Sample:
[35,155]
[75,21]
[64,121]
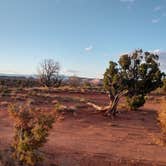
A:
[92,139]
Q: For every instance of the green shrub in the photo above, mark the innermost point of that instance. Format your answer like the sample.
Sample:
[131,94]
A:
[136,102]
[31,130]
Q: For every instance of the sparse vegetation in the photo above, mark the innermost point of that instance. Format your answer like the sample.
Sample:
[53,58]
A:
[132,78]
[83,83]
[4,91]
[31,131]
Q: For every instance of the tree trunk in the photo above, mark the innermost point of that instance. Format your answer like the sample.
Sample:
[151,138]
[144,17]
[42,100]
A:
[111,109]
[113,106]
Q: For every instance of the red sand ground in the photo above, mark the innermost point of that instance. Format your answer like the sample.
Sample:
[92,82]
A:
[90,139]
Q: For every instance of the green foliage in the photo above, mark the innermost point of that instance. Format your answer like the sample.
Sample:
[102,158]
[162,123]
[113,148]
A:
[125,61]
[113,80]
[137,72]
[31,130]
[136,101]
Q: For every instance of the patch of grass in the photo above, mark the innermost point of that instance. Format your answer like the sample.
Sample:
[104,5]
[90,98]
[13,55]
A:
[61,109]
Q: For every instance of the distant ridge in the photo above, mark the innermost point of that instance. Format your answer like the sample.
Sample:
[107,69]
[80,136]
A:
[35,76]
[17,75]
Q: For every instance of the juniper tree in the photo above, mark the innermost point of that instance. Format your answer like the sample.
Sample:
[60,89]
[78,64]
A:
[135,75]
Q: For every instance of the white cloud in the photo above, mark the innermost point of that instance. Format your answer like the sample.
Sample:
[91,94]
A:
[162,58]
[157,8]
[161,12]
[156,20]
[71,72]
[157,51]
[8,72]
[89,49]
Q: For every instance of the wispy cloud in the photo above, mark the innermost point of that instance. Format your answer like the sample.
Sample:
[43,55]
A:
[89,48]
[159,52]
[160,12]
[157,8]
[9,72]
[156,20]
[128,2]
[162,58]
[156,51]
[71,72]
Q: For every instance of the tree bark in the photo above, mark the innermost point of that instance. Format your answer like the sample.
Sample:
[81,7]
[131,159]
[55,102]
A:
[111,109]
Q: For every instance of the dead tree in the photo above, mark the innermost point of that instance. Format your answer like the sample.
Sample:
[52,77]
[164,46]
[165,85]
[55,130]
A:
[49,73]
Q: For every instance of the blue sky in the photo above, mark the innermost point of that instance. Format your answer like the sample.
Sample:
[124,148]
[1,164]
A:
[83,35]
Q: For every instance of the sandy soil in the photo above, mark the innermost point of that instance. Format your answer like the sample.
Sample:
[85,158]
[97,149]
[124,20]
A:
[91,139]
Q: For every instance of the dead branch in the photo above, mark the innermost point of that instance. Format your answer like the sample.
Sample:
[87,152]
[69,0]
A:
[97,107]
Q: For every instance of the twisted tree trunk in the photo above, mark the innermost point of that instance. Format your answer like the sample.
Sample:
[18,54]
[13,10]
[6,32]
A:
[111,109]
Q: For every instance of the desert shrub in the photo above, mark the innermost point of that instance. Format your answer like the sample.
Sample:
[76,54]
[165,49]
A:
[59,108]
[135,101]
[4,91]
[31,131]
[87,85]
[2,82]
[162,120]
